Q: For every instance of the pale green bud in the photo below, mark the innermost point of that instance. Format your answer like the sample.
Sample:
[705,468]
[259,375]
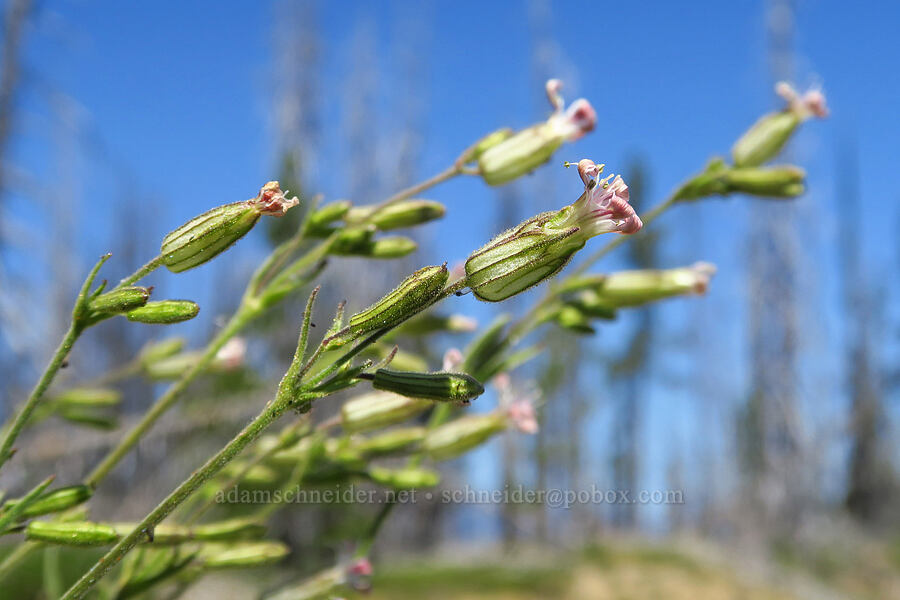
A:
[82,397]
[164,312]
[322,217]
[772,182]
[632,288]
[490,140]
[503,158]
[765,139]
[569,317]
[407,213]
[770,134]
[206,236]
[154,351]
[379,409]
[119,301]
[459,436]
[404,479]
[54,501]
[78,533]
[395,441]
[242,555]
[452,387]
[415,293]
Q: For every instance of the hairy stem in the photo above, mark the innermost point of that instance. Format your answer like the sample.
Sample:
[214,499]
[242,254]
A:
[59,357]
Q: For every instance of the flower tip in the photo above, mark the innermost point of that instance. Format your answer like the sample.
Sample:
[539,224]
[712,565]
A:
[703,272]
[554,89]
[588,170]
[582,117]
[232,354]
[811,104]
[814,102]
[453,358]
[271,200]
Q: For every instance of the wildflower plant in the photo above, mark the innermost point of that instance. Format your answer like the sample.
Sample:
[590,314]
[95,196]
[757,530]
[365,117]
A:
[176,541]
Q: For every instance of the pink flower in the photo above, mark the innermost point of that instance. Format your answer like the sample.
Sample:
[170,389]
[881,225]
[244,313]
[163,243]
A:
[231,355]
[604,207]
[810,104]
[359,575]
[703,272]
[517,404]
[572,123]
[272,201]
[453,358]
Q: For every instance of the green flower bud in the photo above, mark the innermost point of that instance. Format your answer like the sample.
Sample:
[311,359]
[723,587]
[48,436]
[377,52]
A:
[119,301]
[592,304]
[407,361]
[769,135]
[164,312]
[521,258]
[519,155]
[204,237]
[415,293]
[765,139]
[55,501]
[514,156]
[156,351]
[633,288]
[773,182]
[569,317]
[71,534]
[172,367]
[390,247]
[231,529]
[407,213]
[395,441]
[87,418]
[81,397]
[458,387]
[241,556]
[404,479]
[490,140]
[427,323]
[353,241]
[459,436]
[322,217]
[379,409]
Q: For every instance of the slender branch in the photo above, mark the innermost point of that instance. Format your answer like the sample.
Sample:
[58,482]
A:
[59,357]
[418,188]
[148,268]
[288,437]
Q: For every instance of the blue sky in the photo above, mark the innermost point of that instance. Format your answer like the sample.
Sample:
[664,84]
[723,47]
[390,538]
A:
[174,106]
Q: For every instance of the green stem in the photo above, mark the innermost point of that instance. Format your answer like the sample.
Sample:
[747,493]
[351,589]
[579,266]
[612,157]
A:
[273,410]
[148,268]
[411,191]
[238,321]
[37,393]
